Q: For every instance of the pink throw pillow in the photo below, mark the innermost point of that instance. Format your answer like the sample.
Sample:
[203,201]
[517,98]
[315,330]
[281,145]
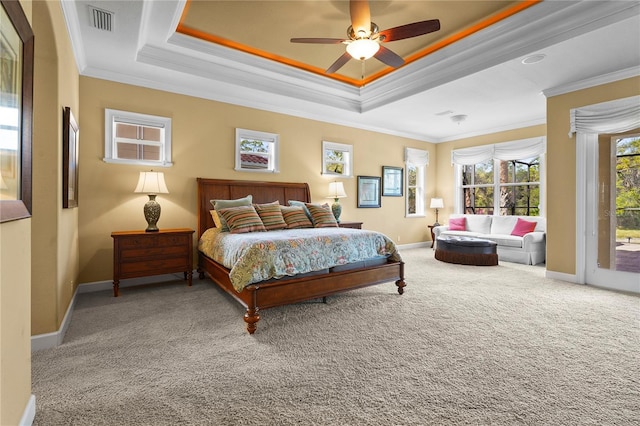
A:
[523,227]
[458,224]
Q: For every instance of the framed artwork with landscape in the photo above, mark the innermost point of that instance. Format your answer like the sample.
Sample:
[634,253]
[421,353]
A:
[369,191]
[391,181]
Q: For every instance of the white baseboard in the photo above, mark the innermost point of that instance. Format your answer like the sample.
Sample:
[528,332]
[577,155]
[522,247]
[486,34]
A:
[572,278]
[53,339]
[132,282]
[414,245]
[29,412]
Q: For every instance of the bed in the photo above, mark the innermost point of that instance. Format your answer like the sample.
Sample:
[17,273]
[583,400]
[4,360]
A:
[277,292]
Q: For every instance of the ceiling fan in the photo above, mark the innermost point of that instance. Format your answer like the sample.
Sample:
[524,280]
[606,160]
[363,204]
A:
[365,37]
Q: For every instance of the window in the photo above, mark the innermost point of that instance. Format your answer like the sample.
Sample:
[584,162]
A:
[337,159]
[133,138]
[499,185]
[256,151]
[416,161]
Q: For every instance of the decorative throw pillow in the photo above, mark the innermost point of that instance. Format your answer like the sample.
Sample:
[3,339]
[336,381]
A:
[224,204]
[295,217]
[458,224]
[295,203]
[321,216]
[242,219]
[271,215]
[523,227]
[216,219]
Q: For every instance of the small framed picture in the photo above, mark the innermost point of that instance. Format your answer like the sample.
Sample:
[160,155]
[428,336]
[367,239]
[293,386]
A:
[391,181]
[369,191]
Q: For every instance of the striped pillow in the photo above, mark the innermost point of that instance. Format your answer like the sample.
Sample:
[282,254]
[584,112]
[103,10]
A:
[224,204]
[322,216]
[242,219]
[295,217]
[271,215]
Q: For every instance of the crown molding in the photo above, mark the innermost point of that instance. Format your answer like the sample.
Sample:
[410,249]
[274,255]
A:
[72,22]
[592,82]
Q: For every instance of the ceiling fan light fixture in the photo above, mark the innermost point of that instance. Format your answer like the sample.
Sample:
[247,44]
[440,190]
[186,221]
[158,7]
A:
[363,48]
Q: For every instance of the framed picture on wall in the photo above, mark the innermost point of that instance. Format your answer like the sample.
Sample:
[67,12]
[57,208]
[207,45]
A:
[369,191]
[69,159]
[391,181]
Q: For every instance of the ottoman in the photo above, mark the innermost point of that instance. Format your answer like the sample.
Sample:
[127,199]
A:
[467,251]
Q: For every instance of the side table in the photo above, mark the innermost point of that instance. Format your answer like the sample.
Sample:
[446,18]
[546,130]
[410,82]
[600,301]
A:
[433,237]
[141,254]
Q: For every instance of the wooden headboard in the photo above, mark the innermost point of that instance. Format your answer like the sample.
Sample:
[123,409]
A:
[262,192]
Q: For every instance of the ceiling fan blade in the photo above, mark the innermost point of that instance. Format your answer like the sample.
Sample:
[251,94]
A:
[360,16]
[410,30]
[388,57]
[317,40]
[338,63]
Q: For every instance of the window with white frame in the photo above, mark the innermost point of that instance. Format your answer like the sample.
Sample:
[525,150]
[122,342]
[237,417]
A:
[337,159]
[416,161]
[256,151]
[502,179]
[133,138]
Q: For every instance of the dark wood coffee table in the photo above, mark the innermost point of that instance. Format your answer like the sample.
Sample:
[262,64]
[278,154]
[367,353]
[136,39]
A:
[466,250]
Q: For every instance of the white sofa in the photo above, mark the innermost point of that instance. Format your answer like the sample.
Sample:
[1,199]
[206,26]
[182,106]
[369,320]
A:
[529,249]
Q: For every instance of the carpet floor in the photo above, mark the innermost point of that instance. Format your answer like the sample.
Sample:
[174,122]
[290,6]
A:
[465,345]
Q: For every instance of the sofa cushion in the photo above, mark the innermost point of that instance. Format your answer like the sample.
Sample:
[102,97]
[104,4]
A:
[479,223]
[523,227]
[503,224]
[458,224]
[505,240]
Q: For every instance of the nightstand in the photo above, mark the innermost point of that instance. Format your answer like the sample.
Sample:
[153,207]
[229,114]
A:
[141,254]
[354,225]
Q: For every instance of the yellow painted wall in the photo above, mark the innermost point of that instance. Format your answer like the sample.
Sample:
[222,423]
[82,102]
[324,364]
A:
[15,323]
[561,168]
[55,236]
[204,146]
[445,177]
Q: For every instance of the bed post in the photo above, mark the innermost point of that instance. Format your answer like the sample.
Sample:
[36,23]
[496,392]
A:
[400,283]
[251,317]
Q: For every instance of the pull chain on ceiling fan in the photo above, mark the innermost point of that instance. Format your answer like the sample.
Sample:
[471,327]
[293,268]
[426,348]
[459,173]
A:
[365,38]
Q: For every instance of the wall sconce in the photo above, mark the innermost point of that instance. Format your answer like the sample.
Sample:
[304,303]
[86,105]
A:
[336,191]
[151,183]
[437,203]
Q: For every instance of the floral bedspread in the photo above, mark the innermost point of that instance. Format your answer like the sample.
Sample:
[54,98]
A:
[259,256]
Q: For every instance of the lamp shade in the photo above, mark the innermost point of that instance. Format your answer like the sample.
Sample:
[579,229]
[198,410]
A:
[336,190]
[151,183]
[363,48]
[436,203]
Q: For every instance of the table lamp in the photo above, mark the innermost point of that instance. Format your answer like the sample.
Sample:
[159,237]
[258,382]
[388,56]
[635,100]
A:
[436,203]
[336,191]
[152,184]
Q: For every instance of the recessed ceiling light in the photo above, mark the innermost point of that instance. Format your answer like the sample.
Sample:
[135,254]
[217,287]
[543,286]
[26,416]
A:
[533,59]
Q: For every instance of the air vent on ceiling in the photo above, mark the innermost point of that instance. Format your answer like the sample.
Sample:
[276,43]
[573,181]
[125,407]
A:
[101,19]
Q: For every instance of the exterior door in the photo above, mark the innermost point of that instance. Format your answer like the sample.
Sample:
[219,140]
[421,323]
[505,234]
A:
[612,211]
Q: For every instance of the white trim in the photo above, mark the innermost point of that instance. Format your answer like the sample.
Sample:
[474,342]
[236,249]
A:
[132,282]
[592,82]
[413,245]
[29,414]
[561,276]
[53,339]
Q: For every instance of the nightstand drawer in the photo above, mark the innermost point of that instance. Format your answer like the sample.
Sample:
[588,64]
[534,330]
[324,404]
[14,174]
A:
[154,252]
[148,241]
[157,266]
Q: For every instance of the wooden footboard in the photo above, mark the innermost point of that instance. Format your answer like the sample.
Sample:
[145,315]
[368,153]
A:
[256,297]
